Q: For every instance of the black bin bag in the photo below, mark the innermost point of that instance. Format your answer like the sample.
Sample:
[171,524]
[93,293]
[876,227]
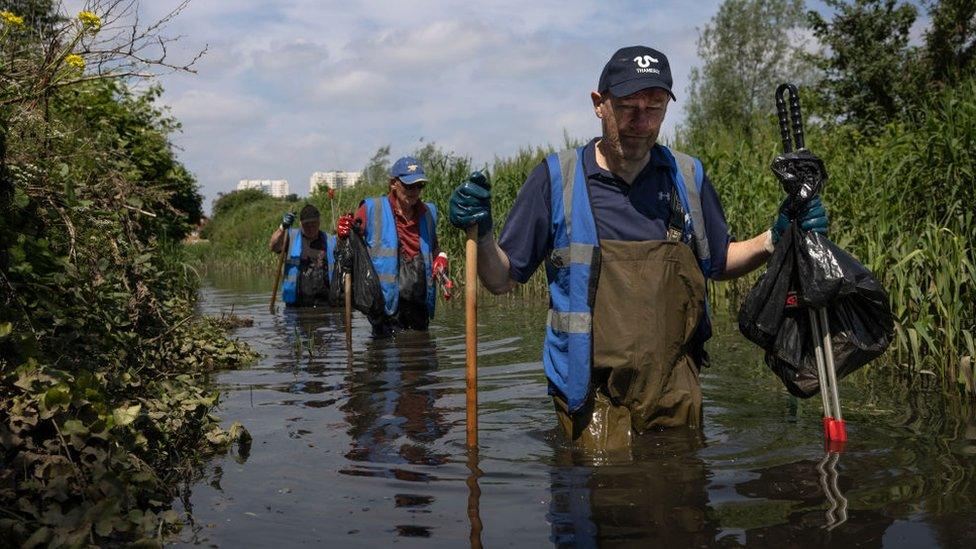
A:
[806,271]
[352,255]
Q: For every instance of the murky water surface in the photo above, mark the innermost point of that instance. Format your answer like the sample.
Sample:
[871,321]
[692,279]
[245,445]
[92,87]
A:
[366,448]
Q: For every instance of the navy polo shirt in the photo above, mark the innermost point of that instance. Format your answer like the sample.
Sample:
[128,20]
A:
[640,211]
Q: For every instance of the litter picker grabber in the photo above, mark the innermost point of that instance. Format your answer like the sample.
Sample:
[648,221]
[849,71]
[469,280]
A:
[346,269]
[835,432]
[447,285]
[347,292]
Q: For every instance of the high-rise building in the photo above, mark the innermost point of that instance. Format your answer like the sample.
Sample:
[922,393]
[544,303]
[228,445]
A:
[333,180]
[275,187]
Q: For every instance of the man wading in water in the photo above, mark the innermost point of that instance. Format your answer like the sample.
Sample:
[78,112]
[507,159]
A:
[309,261]
[629,230]
[400,231]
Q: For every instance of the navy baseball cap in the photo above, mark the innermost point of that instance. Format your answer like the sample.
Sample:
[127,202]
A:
[636,68]
[408,170]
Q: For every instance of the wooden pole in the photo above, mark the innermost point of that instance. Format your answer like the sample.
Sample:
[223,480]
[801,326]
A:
[279,271]
[471,331]
[474,499]
[347,281]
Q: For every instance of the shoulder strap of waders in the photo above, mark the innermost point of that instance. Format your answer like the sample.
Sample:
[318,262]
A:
[677,225]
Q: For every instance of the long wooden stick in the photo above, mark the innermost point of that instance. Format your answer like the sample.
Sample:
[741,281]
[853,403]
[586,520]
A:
[474,498]
[347,281]
[471,330]
[279,271]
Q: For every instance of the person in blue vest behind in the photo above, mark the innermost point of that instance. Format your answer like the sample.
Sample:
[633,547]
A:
[629,231]
[400,231]
[308,265]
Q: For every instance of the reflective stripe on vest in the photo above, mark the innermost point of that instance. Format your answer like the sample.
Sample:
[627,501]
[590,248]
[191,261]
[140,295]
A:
[381,237]
[428,235]
[289,287]
[567,353]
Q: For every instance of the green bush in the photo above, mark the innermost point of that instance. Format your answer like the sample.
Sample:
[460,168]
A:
[235,199]
[104,362]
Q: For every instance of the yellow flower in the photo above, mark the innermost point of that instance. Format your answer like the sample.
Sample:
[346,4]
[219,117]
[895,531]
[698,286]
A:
[75,60]
[90,21]
[11,19]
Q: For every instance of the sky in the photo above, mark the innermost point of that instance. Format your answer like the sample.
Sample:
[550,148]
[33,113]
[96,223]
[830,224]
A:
[289,87]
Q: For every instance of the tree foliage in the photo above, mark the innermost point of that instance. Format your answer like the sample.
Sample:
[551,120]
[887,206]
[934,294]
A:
[129,134]
[378,167]
[748,48]
[235,199]
[950,43]
[867,73]
[103,359]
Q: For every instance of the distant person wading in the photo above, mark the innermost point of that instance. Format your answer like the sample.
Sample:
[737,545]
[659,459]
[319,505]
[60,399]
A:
[309,259]
[400,231]
[629,230]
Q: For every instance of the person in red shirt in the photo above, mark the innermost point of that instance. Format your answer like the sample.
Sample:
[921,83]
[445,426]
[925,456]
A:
[400,231]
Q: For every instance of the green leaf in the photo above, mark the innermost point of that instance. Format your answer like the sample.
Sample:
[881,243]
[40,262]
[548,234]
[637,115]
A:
[6,328]
[74,427]
[170,517]
[57,396]
[41,535]
[125,416]
[21,200]
[105,526]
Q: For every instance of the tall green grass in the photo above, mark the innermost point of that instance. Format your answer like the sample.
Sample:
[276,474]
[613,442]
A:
[901,202]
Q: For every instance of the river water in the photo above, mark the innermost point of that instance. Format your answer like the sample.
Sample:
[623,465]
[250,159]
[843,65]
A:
[366,447]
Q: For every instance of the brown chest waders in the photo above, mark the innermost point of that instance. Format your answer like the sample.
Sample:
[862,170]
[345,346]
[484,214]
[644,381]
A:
[649,300]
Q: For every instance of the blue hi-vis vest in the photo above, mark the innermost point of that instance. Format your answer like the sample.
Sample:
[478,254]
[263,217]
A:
[289,290]
[384,249]
[568,350]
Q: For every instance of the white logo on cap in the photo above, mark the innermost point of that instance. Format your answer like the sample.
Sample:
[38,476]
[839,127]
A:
[412,168]
[644,61]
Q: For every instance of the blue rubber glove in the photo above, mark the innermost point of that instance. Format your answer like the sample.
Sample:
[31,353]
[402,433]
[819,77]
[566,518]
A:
[471,203]
[812,218]
[287,220]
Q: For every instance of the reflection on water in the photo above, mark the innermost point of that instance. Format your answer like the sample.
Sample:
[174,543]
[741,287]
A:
[837,512]
[363,445]
[660,496]
[392,412]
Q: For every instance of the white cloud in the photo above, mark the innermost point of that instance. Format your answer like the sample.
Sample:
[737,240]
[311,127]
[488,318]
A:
[202,107]
[288,88]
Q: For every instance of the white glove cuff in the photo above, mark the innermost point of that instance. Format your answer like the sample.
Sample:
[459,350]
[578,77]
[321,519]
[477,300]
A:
[768,242]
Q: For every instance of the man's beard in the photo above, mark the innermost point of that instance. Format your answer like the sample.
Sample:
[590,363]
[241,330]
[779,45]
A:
[405,204]
[612,145]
